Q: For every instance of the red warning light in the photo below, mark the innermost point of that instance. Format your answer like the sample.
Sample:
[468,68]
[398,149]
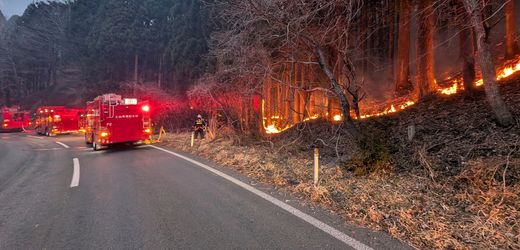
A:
[146,108]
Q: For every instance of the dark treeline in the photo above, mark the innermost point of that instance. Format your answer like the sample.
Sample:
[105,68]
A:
[103,43]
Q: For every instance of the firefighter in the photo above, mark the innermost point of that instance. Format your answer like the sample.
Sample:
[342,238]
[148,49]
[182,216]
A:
[200,127]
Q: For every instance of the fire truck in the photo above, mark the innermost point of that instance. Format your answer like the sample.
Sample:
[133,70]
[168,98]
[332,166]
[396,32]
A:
[13,119]
[55,120]
[111,119]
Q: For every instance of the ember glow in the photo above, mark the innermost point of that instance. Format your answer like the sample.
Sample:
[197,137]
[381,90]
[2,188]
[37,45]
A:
[455,87]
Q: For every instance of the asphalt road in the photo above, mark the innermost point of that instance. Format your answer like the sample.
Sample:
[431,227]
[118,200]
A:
[149,198]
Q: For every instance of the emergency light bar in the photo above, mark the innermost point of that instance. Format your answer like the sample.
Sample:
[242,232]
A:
[130,101]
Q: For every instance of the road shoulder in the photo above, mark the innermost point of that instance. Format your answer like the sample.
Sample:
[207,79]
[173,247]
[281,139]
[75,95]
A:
[376,240]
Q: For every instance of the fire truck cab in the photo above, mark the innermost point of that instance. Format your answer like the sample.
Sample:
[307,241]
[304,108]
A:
[54,120]
[13,119]
[111,119]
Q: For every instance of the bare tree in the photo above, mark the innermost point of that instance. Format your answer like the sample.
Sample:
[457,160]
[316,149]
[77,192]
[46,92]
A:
[485,60]
[305,32]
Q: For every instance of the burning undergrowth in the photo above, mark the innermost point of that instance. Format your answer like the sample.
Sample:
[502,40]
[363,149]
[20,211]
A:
[443,174]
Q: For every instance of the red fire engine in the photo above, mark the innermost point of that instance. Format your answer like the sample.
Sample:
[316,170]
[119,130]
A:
[13,119]
[111,119]
[54,120]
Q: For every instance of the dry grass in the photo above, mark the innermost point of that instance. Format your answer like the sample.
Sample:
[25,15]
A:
[455,186]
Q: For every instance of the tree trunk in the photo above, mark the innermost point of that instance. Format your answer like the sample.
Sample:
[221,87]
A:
[345,106]
[286,97]
[402,82]
[425,74]
[136,68]
[510,43]
[467,57]
[160,75]
[296,99]
[485,60]
[392,35]
[303,93]
[267,101]
[136,71]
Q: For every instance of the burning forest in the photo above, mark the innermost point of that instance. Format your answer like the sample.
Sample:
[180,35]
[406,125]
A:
[340,65]
[416,92]
[402,116]
[282,108]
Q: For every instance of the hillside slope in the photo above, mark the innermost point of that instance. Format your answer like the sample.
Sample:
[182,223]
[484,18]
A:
[454,185]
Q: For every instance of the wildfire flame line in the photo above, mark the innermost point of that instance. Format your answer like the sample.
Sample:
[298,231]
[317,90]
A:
[509,69]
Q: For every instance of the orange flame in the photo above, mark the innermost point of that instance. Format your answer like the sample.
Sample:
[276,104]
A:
[509,69]
[453,89]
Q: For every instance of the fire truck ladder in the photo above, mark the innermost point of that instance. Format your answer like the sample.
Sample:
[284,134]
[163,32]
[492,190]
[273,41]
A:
[111,107]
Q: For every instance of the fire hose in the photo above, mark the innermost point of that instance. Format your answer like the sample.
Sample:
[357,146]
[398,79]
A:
[162,133]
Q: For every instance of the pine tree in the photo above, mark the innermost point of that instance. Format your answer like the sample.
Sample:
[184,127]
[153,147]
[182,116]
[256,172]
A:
[402,82]
[116,38]
[425,74]
[188,43]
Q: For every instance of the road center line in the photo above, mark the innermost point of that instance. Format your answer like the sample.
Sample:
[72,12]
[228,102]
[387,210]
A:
[75,174]
[63,144]
[309,219]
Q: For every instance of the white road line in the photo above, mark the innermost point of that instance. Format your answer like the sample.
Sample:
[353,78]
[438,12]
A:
[47,149]
[309,219]
[75,174]
[63,144]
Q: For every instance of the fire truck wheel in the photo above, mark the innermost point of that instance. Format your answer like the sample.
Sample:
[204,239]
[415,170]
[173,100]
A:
[95,146]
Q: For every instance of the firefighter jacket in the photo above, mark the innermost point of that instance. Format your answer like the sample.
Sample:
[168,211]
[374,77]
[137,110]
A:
[200,124]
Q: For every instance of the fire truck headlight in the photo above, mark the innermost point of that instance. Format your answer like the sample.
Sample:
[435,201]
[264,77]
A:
[148,130]
[146,108]
[104,134]
[5,125]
